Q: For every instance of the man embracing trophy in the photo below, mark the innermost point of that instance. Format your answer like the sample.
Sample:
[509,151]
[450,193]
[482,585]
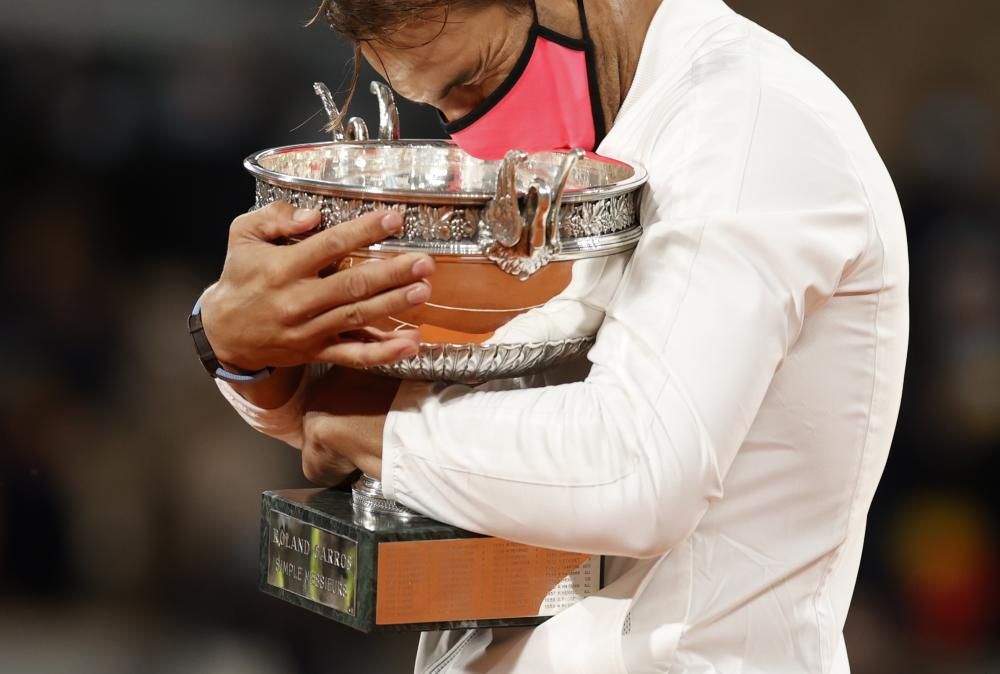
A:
[723,443]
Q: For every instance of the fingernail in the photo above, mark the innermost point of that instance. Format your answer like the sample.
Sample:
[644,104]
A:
[392,222]
[304,214]
[423,267]
[419,293]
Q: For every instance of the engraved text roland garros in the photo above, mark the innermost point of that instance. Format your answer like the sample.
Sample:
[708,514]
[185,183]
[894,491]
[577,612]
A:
[283,539]
[312,563]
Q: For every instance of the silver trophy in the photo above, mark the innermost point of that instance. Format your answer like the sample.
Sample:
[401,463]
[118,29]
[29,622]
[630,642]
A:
[527,249]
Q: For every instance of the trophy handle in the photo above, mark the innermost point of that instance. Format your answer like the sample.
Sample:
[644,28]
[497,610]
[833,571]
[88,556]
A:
[561,181]
[502,221]
[334,126]
[388,113]
[537,212]
[523,240]
[357,130]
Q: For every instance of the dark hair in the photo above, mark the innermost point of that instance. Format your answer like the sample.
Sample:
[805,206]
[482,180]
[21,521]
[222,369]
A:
[376,20]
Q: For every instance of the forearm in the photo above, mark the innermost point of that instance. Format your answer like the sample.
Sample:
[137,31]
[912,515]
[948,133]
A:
[557,467]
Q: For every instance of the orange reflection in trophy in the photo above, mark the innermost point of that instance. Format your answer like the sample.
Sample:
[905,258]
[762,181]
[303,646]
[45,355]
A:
[472,298]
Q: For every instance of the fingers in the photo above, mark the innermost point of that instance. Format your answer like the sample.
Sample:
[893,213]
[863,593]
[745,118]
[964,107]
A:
[369,354]
[357,315]
[295,311]
[374,334]
[277,220]
[324,248]
[365,281]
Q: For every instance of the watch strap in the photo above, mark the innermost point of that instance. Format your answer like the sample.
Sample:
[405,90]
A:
[208,358]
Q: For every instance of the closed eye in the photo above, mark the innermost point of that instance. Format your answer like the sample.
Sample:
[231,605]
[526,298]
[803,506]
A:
[443,94]
[461,80]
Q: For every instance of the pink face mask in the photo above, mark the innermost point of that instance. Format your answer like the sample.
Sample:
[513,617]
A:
[549,101]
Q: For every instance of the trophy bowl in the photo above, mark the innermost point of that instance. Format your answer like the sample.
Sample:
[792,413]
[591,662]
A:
[513,241]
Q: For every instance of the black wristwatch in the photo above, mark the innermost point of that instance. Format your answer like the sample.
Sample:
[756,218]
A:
[207,355]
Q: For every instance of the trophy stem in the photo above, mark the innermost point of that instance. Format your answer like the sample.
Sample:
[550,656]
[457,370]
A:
[367,496]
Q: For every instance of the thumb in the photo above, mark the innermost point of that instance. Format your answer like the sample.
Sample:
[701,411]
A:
[277,220]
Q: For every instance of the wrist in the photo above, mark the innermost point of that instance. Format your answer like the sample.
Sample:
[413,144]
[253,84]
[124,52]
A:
[228,359]
[211,360]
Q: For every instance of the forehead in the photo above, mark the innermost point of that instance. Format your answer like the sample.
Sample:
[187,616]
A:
[435,37]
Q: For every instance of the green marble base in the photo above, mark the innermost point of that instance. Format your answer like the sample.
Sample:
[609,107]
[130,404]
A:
[377,572]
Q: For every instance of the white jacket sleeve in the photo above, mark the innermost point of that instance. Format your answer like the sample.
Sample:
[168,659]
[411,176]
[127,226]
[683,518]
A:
[627,461]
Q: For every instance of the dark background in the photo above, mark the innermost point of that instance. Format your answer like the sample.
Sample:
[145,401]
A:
[129,490]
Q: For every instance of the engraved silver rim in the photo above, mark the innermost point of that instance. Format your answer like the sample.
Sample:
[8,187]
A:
[476,363]
[254,166]
[589,229]
[571,249]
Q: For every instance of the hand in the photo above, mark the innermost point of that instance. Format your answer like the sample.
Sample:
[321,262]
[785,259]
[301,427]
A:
[272,307]
[342,425]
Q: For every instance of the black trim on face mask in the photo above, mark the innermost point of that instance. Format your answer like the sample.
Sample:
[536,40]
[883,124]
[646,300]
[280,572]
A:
[584,44]
[600,128]
[590,54]
[576,44]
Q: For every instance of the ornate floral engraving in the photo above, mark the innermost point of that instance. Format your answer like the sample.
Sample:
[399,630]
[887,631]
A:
[422,223]
[427,223]
[594,218]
